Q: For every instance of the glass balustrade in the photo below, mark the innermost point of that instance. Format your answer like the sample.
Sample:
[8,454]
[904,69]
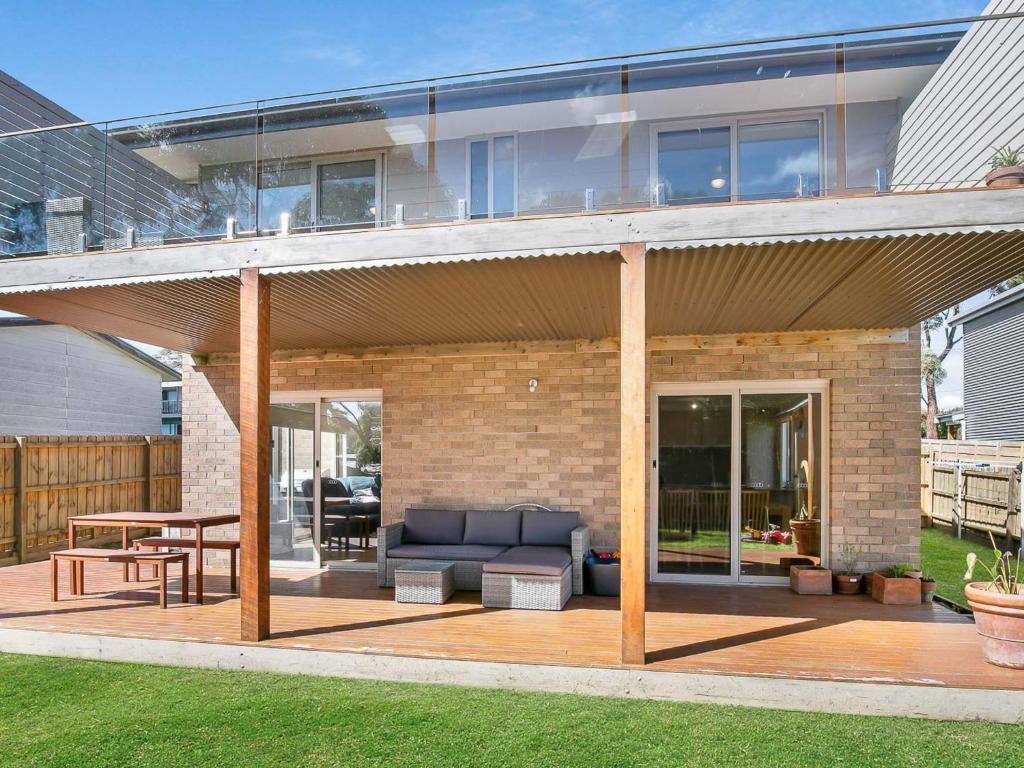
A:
[837,115]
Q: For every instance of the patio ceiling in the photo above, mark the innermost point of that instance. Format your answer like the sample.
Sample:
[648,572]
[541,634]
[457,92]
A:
[839,283]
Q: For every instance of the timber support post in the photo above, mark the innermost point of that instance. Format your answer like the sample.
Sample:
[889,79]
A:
[254,458]
[633,463]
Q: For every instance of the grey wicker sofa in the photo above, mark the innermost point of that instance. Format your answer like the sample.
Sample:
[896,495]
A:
[531,540]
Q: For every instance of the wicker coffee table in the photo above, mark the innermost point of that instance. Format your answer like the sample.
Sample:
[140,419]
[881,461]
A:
[431,583]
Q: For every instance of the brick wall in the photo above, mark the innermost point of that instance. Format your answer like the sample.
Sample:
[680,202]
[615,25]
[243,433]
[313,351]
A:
[467,432]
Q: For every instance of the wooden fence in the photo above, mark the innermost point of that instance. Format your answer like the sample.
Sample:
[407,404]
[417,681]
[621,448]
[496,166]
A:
[973,485]
[45,480]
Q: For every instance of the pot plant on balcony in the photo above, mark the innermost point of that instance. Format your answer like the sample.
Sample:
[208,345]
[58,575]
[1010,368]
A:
[896,587]
[846,581]
[1007,168]
[998,605]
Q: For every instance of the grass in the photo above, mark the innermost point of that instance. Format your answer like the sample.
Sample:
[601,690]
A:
[944,558]
[63,712]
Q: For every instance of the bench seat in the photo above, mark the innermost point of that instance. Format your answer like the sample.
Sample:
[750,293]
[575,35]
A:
[231,545]
[79,556]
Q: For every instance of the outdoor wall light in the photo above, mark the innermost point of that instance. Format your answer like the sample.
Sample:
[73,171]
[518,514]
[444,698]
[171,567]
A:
[532,385]
[718,183]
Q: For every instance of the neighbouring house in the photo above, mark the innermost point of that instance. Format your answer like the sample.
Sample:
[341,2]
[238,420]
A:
[679,293]
[58,380]
[954,423]
[170,422]
[994,368]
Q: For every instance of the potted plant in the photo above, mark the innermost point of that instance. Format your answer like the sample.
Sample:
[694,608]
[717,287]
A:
[927,589]
[846,581]
[805,526]
[895,586]
[1007,167]
[998,605]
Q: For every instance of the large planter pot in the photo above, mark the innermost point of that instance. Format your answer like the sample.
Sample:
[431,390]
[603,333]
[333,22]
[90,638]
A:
[895,590]
[807,536]
[1011,176]
[1000,622]
[810,580]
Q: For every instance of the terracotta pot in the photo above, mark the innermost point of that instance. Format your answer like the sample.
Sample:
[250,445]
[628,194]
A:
[1011,176]
[895,590]
[846,583]
[1000,622]
[927,591]
[810,580]
[807,535]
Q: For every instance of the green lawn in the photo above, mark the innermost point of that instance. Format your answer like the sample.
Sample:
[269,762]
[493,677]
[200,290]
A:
[61,712]
[944,558]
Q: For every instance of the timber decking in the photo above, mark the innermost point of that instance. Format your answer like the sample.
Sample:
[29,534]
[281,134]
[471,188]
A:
[758,631]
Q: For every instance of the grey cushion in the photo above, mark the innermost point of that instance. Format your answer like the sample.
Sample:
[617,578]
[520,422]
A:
[433,526]
[536,561]
[445,551]
[548,529]
[496,528]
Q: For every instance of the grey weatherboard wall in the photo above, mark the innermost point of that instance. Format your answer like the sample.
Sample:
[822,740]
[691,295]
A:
[56,380]
[994,373]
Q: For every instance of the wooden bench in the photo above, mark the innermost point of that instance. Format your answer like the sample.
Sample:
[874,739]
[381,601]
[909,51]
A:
[78,557]
[155,542]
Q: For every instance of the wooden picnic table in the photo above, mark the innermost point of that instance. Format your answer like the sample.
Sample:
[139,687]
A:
[126,520]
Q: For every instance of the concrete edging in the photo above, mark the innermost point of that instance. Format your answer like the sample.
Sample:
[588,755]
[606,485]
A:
[855,698]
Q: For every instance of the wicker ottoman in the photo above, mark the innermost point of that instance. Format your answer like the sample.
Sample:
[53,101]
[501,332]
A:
[525,590]
[429,582]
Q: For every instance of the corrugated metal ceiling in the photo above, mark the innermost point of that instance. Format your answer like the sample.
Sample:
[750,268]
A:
[739,288]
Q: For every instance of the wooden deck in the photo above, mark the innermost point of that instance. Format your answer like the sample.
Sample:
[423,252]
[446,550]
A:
[755,631]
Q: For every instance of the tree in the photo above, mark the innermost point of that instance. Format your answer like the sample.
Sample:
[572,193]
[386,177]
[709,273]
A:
[1006,285]
[169,357]
[932,372]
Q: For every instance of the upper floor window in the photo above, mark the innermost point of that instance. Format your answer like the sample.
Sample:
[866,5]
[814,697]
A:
[737,160]
[492,177]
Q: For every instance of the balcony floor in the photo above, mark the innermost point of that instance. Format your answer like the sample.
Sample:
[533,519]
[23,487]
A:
[749,631]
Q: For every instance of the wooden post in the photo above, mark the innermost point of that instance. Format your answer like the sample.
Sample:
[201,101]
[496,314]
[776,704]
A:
[20,505]
[147,468]
[254,458]
[633,466]
[1012,479]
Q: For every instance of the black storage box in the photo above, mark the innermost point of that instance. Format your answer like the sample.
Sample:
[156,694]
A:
[602,576]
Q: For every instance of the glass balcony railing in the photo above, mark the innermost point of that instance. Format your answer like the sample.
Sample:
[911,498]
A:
[836,115]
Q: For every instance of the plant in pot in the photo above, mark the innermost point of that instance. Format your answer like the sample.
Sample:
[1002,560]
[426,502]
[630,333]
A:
[845,580]
[998,605]
[1007,167]
[805,526]
[897,586]
[927,589]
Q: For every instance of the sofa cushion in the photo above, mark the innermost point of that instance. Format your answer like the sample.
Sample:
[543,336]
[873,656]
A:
[498,528]
[548,529]
[445,551]
[433,526]
[536,561]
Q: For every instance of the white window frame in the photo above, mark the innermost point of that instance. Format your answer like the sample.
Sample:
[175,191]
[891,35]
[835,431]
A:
[316,398]
[736,389]
[733,123]
[354,157]
[489,138]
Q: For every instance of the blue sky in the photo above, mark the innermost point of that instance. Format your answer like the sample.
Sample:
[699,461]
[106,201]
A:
[120,59]
[113,59]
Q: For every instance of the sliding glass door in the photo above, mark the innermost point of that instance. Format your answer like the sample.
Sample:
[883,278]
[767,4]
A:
[325,479]
[738,482]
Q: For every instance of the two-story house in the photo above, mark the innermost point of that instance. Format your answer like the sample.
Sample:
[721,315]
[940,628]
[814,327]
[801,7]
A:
[678,292]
